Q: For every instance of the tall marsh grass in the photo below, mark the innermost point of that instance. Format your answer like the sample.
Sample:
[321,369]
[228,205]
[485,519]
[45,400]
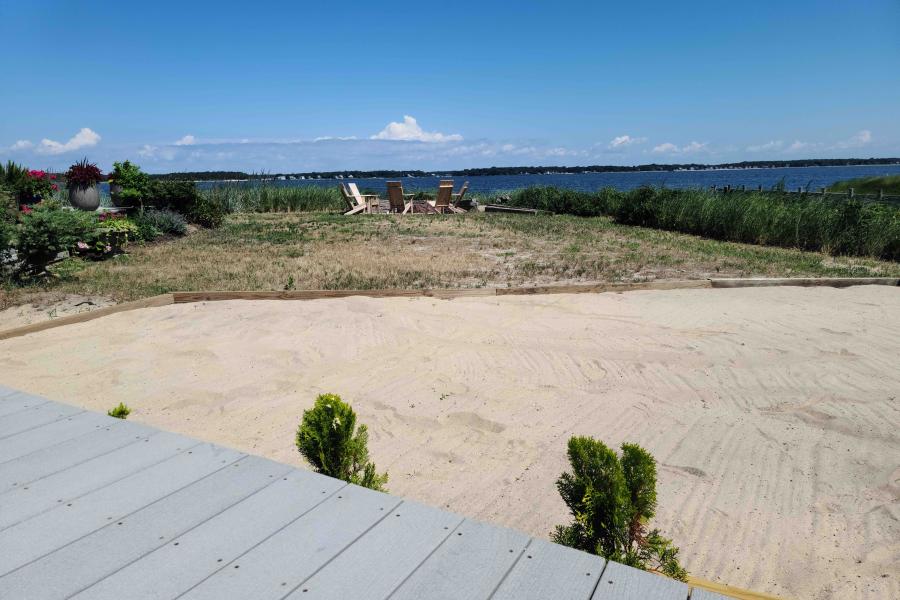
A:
[271,198]
[837,226]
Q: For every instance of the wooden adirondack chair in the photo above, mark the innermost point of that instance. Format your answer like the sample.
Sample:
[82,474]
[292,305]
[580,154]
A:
[368,201]
[457,198]
[442,200]
[398,200]
[352,205]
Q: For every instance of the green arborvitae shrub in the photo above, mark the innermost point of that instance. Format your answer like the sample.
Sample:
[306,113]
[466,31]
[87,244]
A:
[47,230]
[329,439]
[612,499]
[119,412]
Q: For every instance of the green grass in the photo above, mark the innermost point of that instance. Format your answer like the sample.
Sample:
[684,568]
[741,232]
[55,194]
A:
[890,184]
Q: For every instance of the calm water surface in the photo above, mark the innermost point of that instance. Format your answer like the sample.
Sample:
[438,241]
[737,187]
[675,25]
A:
[814,177]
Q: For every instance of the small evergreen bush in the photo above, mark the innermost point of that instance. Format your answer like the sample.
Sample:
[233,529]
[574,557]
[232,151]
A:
[612,499]
[119,412]
[46,231]
[329,439]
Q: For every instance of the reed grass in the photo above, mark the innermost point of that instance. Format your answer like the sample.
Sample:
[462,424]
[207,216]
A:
[889,184]
[837,226]
[262,198]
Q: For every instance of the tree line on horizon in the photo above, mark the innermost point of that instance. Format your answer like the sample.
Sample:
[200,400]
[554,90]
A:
[537,170]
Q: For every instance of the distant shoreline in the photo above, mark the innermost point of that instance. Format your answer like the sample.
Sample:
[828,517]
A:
[237,176]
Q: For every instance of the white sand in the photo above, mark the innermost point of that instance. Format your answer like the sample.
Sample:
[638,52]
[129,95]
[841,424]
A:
[774,413]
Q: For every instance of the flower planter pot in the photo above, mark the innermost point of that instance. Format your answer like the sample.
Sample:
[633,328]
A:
[114,191]
[84,198]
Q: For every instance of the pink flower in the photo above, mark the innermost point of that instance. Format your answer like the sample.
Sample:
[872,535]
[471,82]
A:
[54,187]
[82,246]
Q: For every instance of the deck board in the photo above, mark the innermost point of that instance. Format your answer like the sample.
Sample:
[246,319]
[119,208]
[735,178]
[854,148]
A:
[48,461]
[190,558]
[620,582]
[546,570]
[471,563]
[284,561]
[16,401]
[96,508]
[385,556]
[24,502]
[34,417]
[51,434]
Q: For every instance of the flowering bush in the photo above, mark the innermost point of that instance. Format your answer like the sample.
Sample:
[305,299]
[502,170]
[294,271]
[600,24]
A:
[36,185]
[83,174]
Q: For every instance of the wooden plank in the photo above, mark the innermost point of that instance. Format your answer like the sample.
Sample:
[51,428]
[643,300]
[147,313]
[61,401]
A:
[48,461]
[283,562]
[86,559]
[384,557]
[35,417]
[626,583]
[596,288]
[49,435]
[190,558]
[26,501]
[547,570]
[701,594]
[837,282]
[17,401]
[161,300]
[729,591]
[471,563]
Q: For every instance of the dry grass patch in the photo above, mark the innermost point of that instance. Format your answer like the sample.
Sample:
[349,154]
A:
[329,251]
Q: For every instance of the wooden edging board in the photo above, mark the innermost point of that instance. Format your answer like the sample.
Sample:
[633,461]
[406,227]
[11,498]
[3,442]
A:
[445,294]
[161,300]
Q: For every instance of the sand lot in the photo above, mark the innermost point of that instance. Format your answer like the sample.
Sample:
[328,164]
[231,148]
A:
[774,413]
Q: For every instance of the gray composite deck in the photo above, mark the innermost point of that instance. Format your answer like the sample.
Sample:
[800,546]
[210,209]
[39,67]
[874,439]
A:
[94,507]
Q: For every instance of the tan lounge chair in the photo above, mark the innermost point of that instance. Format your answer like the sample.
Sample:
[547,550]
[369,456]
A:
[399,202]
[457,198]
[352,206]
[442,200]
[369,201]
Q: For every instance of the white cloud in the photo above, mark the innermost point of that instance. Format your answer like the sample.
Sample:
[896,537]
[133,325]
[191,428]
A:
[860,139]
[187,140]
[670,148]
[339,138]
[626,140]
[666,148]
[768,146]
[798,146]
[85,138]
[22,145]
[147,151]
[409,130]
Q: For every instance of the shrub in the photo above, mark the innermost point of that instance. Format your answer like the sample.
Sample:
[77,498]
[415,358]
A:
[153,223]
[134,183]
[119,412]
[329,439]
[207,211]
[612,499]
[46,231]
[173,195]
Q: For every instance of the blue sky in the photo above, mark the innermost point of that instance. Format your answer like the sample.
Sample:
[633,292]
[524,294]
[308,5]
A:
[299,86]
